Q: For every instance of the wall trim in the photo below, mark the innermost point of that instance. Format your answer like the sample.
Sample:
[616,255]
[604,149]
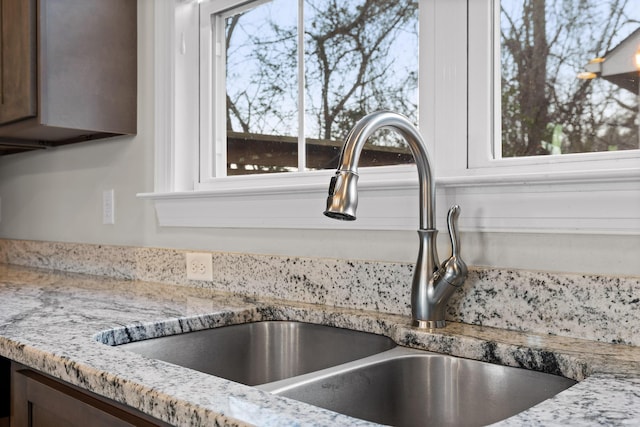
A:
[570,203]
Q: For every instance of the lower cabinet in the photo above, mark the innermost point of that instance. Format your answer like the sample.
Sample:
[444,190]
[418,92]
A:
[38,400]
[5,386]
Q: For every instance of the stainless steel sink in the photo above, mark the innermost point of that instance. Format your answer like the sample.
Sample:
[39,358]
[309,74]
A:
[258,353]
[404,387]
[356,373]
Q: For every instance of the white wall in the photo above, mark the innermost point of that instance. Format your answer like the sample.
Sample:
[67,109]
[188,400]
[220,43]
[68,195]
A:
[56,196]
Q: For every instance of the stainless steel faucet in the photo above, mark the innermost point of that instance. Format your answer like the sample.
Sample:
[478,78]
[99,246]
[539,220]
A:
[433,283]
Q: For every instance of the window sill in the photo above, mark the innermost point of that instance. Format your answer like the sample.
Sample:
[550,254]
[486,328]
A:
[605,202]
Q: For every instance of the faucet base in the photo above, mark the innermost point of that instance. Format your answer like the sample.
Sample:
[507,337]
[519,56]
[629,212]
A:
[428,324]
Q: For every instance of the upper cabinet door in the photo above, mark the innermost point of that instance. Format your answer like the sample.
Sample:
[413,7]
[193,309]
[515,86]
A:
[18,81]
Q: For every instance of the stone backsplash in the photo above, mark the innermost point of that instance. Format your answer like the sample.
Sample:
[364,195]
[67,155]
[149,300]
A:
[598,308]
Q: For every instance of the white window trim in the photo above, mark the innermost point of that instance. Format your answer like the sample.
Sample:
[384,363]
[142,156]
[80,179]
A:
[515,197]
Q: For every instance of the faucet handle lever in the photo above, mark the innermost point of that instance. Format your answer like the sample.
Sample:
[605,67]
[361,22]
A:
[454,268]
[452,225]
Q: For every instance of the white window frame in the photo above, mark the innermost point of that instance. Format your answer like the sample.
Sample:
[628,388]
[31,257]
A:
[598,193]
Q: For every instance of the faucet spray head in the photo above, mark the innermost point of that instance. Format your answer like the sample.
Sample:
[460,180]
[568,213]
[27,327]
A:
[342,201]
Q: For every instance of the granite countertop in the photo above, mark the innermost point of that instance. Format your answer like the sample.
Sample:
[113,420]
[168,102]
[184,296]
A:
[58,323]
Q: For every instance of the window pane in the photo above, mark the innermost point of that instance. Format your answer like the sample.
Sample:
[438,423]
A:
[360,57]
[554,100]
[262,89]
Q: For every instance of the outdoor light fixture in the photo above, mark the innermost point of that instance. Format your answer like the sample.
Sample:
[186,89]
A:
[593,69]
[587,75]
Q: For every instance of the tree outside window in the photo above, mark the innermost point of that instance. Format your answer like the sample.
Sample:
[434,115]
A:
[359,57]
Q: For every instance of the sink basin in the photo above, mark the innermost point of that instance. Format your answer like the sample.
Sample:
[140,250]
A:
[357,373]
[404,387]
[262,352]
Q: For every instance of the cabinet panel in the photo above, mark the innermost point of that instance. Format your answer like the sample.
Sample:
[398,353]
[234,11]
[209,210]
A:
[83,85]
[18,93]
[68,72]
[40,401]
[5,366]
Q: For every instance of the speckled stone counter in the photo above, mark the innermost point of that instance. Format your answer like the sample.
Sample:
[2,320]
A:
[58,323]
[593,307]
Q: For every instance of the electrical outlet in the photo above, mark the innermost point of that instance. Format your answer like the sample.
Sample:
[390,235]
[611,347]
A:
[199,266]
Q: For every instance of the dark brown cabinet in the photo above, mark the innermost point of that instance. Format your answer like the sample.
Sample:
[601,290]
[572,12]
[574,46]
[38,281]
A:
[68,71]
[5,369]
[18,56]
[38,400]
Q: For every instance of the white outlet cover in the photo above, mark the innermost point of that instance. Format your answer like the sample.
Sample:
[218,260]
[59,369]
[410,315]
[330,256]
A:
[199,266]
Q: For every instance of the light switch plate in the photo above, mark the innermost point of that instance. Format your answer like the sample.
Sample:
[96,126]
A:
[108,207]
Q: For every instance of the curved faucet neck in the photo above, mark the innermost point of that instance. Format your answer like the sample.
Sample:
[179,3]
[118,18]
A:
[433,283]
[357,138]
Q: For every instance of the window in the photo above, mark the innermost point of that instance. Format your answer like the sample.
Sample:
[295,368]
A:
[462,52]
[555,97]
[545,112]
[292,77]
